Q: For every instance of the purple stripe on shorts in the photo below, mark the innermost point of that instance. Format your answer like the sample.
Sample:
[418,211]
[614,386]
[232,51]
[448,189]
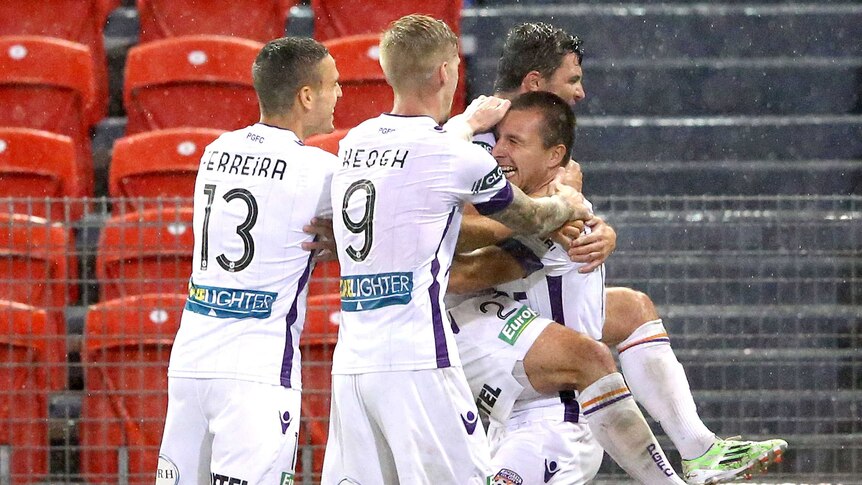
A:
[290,319]
[436,315]
[555,294]
[502,199]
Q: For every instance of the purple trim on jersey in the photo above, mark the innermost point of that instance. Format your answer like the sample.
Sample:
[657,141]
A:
[502,199]
[290,319]
[436,314]
[555,295]
[524,255]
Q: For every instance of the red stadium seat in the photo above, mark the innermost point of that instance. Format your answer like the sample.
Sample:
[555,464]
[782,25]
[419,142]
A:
[39,269]
[37,164]
[125,353]
[339,18]
[80,21]
[317,344]
[325,279]
[145,252]
[328,142]
[365,91]
[160,163]
[366,94]
[24,390]
[47,84]
[196,81]
[249,19]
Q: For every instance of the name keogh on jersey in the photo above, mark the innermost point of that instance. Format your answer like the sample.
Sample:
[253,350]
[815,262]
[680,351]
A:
[362,158]
[229,302]
[489,180]
[367,292]
[515,325]
[250,165]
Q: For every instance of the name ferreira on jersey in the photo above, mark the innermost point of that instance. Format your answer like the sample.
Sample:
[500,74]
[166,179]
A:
[360,157]
[250,165]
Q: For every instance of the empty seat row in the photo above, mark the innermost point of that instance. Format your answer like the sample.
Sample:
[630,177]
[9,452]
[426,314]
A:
[125,354]
[187,82]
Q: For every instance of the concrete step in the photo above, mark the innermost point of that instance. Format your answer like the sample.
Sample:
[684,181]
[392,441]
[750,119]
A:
[673,30]
[750,178]
[755,327]
[793,226]
[760,278]
[625,139]
[738,86]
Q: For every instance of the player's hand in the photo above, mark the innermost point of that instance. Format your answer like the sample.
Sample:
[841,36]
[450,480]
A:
[485,112]
[568,234]
[594,248]
[572,176]
[573,198]
[325,243]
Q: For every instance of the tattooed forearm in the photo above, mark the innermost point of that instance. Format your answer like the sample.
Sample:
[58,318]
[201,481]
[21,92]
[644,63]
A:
[537,216]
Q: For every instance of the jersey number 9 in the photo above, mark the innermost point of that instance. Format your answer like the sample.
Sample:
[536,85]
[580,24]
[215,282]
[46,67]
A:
[364,224]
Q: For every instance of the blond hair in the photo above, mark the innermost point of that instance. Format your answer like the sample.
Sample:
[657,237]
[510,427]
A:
[412,47]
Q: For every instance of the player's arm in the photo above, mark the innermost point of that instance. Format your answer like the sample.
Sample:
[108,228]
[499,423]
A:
[544,215]
[490,266]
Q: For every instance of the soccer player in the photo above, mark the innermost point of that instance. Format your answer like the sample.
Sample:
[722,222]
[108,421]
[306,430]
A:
[402,411]
[538,57]
[513,357]
[234,376]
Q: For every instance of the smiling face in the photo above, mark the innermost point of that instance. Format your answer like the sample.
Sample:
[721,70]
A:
[521,152]
[567,81]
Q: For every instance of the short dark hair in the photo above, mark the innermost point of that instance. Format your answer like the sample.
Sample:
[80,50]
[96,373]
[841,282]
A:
[558,118]
[282,67]
[534,47]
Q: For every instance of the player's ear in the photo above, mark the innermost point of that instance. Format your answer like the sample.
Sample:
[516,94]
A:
[305,97]
[442,73]
[556,156]
[531,82]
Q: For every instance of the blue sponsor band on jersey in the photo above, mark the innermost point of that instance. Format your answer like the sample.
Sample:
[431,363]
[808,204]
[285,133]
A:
[229,302]
[367,292]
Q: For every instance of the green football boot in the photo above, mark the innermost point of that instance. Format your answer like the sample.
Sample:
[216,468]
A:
[732,459]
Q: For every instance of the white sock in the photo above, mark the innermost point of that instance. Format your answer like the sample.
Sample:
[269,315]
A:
[621,429]
[657,381]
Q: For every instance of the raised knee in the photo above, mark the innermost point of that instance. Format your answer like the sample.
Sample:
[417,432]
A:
[597,358]
[639,306]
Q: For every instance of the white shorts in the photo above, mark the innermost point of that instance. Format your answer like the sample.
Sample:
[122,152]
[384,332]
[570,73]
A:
[223,431]
[408,427]
[545,450]
[493,334]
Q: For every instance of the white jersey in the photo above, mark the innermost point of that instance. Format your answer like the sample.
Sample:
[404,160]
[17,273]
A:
[255,189]
[559,292]
[401,188]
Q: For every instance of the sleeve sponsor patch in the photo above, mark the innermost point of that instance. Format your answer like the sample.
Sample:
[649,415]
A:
[516,324]
[488,181]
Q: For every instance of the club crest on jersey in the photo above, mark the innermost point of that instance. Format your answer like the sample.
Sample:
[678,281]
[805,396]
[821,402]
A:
[506,477]
[367,292]
[516,324]
[489,180]
[229,302]
[167,472]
